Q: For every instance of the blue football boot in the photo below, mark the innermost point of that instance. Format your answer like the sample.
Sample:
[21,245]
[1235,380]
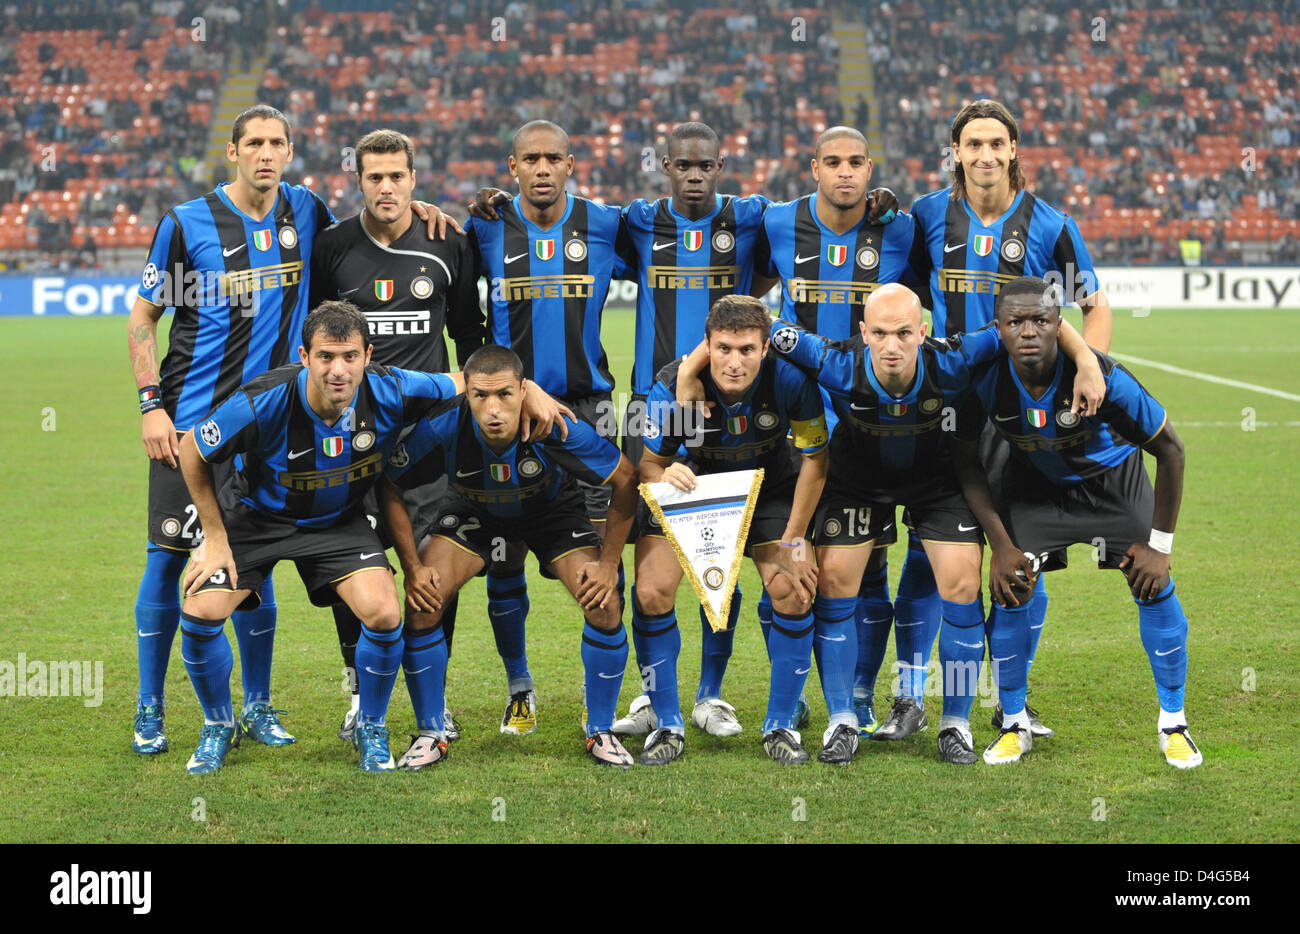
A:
[261,723]
[214,742]
[149,737]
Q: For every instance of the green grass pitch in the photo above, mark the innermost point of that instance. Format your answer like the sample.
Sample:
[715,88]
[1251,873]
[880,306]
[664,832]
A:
[72,485]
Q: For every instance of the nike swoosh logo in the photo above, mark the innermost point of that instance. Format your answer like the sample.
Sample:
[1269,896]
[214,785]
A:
[293,454]
[803,671]
[1170,652]
[898,625]
[233,250]
[418,670]
[966,528]
[707,430]
[577,534]
[841,638]
[804,259]
[471,473]
[381,673]
[660,246]
[1006,418]
[191,661]
[373,554]
[497,613]
[261,632]
[657,664]
[887,526]
[146,635]
[511,259]
[859,408]
[609,677]
[1007,659]
[970,645]
[350,291]
[948,248]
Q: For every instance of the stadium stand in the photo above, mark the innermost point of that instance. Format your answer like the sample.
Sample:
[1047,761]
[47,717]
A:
[1148,121]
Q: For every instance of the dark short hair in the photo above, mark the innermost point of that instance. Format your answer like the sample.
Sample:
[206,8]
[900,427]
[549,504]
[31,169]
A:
[493,358]
[685,131]
[840,132]
[339,320]
[385,141]
[259,112]
[538,125]
[1044,291]
[977,110]
[738,313]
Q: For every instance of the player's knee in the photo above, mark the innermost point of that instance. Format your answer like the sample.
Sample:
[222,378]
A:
[836,579]
[785,597]
[382,617]
[653,598]
[960,589]
[606,619]
[421,622]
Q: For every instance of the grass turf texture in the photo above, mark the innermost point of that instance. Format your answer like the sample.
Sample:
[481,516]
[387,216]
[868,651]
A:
[74,529]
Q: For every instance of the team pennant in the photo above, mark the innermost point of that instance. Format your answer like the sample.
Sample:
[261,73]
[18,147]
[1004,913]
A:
[693,239]
[1037,417]
[383,289]
[332,447]
[262,239]
[545,249]
[500,472]
[837,254]
[707,529]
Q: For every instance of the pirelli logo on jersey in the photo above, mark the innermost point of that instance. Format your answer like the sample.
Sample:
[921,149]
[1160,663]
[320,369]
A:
[307,480]
[880,430]
[398,322]
[739,453]
[693,277]
[831,292]
[1036,442]
[972,281]
[263,277]
[527,288]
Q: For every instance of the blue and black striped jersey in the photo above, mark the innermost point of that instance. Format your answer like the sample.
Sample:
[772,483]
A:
[748,434]
[967,263]
[826,277]
[1068,448]
[547,289]
[239,287]
[683,267]
[297,467]
[522,481]
[886,447]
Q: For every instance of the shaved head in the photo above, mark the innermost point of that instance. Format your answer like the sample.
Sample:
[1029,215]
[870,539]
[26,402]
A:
[533,125]
[839,132]
[893,301]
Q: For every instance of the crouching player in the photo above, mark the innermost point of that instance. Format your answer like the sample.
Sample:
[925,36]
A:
[1076,479]
[754,400]
[506,489]
[898,399]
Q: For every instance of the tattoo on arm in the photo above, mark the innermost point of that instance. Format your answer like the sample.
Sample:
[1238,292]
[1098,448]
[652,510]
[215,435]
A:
[144,354]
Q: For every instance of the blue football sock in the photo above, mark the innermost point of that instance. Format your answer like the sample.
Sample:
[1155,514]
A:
[715,652]
[157,614]
[917,614]
[205,650]
[508,609]
[765,618]
[836,652]
[789,645]
[961,650]
[379,655]
[255,631]
[1009,653]
[875,614]
[424,664]
[1163,626]
[658,644]
[604,656]
[1037,615]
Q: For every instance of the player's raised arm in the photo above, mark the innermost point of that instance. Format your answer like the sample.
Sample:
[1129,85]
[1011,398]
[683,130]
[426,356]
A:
[157,431]
[1089,383]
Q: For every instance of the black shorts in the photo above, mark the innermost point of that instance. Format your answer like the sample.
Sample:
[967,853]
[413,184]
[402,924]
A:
[422,504]
[767,525]
[323,556]
[633,440]
[563,528]
[173,517]
[1111,512]
[845,520]
[599,412]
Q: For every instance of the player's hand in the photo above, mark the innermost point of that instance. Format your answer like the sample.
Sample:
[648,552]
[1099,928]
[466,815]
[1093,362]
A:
[541,413]
[1011,576]
[680,476]
[1147,571]
[421,586]
[210,558]
[485,201]
[882,206]
[1089,390]
[437,220]
[794,560]
[597,585]
[159,437]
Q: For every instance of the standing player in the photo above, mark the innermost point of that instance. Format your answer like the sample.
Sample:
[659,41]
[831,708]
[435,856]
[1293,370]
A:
[506,487]
[549,257]
[980,233]
[409,285]
[756,401]
[1076,479]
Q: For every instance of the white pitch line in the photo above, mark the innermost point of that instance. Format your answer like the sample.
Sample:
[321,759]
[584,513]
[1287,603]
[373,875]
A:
[1127,358]
[1236,424]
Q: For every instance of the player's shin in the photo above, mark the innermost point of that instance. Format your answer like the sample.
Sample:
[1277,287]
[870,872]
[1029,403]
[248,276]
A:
[205,650]
[1009,653]
[508,609]
[348,627]
[658,644]
[1163,626]
[875,614]
[255,632]
[379,655]
[424,665]
[789,644]
[836,650]
[157,615]
[715,652]
[1037,616]
[961,651]
[764,610]
[604,657]
[917,614]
